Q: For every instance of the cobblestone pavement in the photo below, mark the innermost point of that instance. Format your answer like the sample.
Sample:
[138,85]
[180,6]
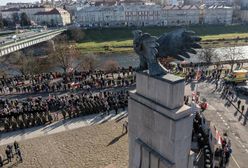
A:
[97,146]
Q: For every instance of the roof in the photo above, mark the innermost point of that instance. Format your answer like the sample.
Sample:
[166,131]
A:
[133,7]
[184,7]
[102,8]
[34,6]
[11,10]
[219,7]
[54,11]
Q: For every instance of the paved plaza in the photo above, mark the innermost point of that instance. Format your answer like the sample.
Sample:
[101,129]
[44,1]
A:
[97,146]
[59,126]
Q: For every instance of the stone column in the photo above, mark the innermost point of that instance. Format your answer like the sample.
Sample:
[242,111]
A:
[160,125]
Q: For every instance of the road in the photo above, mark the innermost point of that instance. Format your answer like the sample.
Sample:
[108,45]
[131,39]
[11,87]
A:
[8,39]
[227,121]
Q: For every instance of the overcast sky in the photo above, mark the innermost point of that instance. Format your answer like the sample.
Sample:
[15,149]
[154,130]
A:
[3,2]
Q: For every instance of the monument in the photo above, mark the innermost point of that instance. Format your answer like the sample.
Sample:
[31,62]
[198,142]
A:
[160,125]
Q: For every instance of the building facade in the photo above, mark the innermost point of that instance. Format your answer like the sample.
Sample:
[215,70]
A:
[149,14]
[193,2]
[120,15]
[101,16]
[244,4]
[181,15]
[40,15]
[218,2]
[168,2]
[143,15]
[244,16]
[9,13]
[218,14]
[32,10]
[54,17]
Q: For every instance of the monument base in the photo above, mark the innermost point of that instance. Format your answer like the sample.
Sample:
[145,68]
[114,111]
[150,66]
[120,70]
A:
[160,125]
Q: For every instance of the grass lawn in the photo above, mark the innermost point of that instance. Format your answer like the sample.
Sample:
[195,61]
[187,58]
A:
[120,39]
[108,46]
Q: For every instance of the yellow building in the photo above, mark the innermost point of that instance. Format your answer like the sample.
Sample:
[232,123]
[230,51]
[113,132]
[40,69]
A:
[54,17]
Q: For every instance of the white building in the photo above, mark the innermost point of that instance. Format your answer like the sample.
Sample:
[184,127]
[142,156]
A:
[193,2]
[17,5]
[133,14]
[126,14]
[218,14]
[8,13]
[32,10]
[143,15]
[101,16]
[218,2]
[244,4]
[168,2]
[182,15]
[244,16]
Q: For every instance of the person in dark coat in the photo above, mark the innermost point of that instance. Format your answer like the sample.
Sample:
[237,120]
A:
[16,146]
[1,161]
[116,108]
[7,152]
[238,103]
[19,154]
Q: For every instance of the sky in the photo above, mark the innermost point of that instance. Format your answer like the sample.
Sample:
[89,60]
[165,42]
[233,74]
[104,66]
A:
[3,2]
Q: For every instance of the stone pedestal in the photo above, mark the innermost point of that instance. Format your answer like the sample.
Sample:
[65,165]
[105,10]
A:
[160,125]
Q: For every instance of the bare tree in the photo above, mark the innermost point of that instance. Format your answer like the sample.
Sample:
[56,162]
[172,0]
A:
[88,62]
[111,66]
[26,64]
[66,56]
[32,65]
[11,58]
[209,55]
[233,54]
[3,73]
[75,34]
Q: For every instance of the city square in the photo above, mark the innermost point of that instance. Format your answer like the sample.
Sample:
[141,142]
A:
[123,84]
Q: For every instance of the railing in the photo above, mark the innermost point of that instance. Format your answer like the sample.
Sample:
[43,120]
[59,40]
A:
[214,63]
[32,38]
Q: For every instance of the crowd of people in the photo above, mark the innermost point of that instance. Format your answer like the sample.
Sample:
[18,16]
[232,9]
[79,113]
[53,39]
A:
[37,111]
[99,93]
[11,151]
[53,82]
[42,110]
[226,89]
[34,111]
[228,93]
[202,138]
[223,152]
